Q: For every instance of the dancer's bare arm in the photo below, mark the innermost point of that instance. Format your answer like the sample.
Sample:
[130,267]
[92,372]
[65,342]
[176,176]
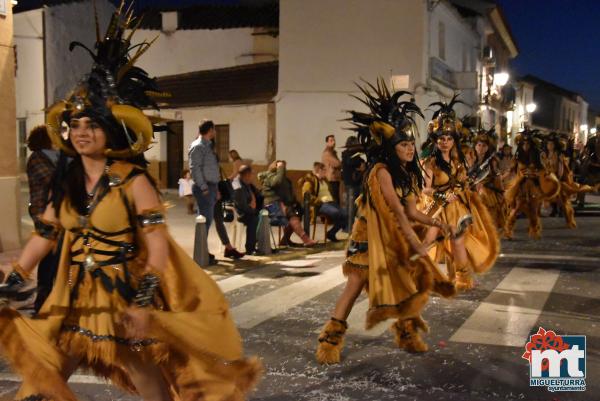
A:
[389,194]
[146,198]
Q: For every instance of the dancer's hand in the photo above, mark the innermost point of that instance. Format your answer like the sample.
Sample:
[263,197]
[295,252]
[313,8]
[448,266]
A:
[418,247]
[136,322]
[451,197]
[449,230]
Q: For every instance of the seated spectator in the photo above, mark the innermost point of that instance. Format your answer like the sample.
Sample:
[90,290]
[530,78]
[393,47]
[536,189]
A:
[248,203]
[316,187]
[279,200]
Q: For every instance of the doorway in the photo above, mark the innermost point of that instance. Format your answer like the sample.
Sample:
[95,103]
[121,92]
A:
[174,153]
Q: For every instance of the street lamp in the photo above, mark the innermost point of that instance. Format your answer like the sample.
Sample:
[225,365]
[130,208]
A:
[530,107]
[501,78]
[593,131]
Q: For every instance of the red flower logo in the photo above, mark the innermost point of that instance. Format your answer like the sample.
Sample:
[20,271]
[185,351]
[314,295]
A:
[542,341]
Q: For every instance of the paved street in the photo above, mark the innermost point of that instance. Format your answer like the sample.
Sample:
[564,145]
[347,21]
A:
[476,339]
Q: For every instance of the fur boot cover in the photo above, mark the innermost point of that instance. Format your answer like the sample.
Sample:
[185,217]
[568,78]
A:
[331,341]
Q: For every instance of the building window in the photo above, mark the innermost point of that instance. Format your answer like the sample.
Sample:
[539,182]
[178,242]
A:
[222,142]
[442,41]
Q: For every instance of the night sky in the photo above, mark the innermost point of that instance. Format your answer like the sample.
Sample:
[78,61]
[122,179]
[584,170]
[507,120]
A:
[558,40]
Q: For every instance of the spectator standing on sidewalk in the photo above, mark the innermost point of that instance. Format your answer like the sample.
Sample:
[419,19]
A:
[206,174]
[185,190]
[333,167]
[248,203]
[41,166]
[205,171]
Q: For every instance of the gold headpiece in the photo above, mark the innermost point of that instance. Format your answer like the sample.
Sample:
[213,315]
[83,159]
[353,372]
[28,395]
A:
[113,93]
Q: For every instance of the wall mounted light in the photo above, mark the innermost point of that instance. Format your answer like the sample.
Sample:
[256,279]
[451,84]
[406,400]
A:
[531,107]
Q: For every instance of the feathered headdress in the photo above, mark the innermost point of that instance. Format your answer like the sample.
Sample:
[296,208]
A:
[389,121]
[487,136]
[444,120]
[115,90]
[534,137]
[560,141]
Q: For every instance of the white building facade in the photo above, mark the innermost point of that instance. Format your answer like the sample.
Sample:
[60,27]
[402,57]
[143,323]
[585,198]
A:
[320,49]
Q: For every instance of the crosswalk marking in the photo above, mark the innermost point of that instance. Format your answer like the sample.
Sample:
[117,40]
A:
[507,315]
[357,319]
[558,258]
[239,281]
[265,307]
[266,274]
[77,378]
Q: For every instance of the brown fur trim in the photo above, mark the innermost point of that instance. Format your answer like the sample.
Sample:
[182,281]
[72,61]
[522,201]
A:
[407,336]
[26,362]
[349,267]
[246,373]
[488,223]
[444,288]
[98,357]
[331,342]
[409,308]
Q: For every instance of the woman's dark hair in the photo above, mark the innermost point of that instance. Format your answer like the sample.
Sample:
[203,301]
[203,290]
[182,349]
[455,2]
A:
[532,156]
[69,177]
[39,139]
[439,158]
[487,155]
[205,127]
[558,148]
[235,155]
[402,176]
[351,141]
[501,154]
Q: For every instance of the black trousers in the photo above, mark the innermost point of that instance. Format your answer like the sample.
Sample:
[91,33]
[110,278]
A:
[335,191]
[251,223]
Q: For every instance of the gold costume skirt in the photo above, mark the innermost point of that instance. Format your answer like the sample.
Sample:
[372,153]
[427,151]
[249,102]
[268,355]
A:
[481,239]
[192,338]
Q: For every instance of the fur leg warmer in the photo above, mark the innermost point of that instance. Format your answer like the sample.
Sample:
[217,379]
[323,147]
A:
[407,336]
[331,341]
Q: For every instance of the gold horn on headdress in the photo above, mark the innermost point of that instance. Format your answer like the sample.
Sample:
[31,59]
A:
[137,122]
[380,130]
[54,118]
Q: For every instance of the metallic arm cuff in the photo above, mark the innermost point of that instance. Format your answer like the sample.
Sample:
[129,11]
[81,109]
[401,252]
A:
[151,218]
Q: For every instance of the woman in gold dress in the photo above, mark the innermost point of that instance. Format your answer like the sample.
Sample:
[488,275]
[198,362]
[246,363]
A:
[531,185]
[383,240]
[556,162]
[127,303]
[448,195]
[489,188]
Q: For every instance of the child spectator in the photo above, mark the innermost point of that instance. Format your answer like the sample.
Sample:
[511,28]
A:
[185,190]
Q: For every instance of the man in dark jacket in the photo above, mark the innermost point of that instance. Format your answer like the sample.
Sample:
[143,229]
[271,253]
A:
[248,203]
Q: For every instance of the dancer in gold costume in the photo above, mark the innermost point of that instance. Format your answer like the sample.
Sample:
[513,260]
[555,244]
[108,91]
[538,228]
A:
[531,184]
[383,240]
[489,186]
[128,302]
[556,162]
[447,194]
